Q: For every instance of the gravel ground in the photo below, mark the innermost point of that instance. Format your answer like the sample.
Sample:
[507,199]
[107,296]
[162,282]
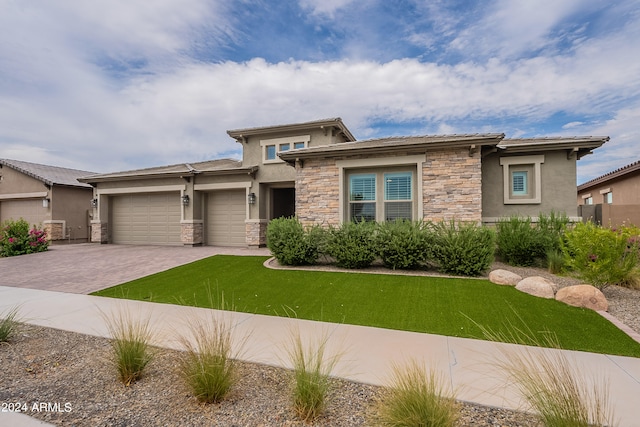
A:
[43,365]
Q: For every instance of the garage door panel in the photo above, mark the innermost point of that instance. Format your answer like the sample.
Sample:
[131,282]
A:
[226,213]
[146,219]
[31,210]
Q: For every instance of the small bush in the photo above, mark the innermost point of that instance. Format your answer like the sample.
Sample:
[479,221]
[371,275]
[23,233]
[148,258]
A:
[417,398]
[353,244]
[403,244]
[130,342]
[207,366]
[311,376]
[292,244]
[8,324]
[463,249]
[602,256]
[562,392]
[523,243]
[16,238]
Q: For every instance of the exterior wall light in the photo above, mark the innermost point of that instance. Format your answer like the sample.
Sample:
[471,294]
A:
[94,203]
[185,200]
[251,198]
[45,203]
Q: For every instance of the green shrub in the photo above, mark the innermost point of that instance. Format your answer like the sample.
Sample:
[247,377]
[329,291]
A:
[463,249]
[207,365]
[353,244]
[8,324]
[130,342]
[311,375]
[403,244]
[417,398]
[292,244]
[523,243]
[16,238]
[602,256]
[555,261]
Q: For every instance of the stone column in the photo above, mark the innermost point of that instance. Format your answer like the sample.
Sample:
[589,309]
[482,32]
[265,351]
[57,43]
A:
[256,230]
[99,232]
[192,232]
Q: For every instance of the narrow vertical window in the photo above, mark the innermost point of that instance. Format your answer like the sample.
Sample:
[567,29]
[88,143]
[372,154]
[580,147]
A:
[271,152]
[398,202]
[362,197]
[519,183]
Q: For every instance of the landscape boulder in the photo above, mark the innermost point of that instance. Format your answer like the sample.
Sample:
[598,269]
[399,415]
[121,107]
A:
[537,286]
[586,296]
[504,277]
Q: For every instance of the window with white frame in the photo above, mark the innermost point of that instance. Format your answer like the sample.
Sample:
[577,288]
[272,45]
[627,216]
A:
[381,196]
[608,197]
[271,147]
[588,200]
[522,179]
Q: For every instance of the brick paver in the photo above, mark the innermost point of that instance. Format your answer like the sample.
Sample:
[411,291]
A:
[89,267]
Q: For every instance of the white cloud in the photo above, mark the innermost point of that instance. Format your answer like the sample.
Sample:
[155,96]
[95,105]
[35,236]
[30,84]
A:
[325,7]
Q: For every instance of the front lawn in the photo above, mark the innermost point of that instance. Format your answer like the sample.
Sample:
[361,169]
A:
[445,306]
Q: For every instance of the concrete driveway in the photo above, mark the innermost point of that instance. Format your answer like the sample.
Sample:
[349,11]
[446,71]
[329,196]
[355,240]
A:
[85,268]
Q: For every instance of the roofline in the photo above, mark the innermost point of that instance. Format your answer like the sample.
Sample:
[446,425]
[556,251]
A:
[3,162]
[581,145]
[91,179]
[240,135]
[610,176]
[410,144]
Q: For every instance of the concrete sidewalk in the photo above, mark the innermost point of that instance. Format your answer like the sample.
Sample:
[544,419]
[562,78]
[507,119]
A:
[368,352]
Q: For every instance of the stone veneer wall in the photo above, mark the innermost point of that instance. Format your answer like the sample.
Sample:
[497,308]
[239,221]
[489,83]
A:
[192,233]
[317,192]
[54,230]
[452,186]
[256,230]
[99,232]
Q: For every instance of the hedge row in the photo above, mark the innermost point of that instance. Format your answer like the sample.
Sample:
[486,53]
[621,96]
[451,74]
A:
[453,248]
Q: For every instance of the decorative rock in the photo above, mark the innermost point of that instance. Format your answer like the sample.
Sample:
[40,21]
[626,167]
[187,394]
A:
[536,286]
[586,296]
[504,277]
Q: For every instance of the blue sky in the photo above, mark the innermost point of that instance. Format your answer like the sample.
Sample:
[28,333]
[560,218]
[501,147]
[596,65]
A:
[111,85]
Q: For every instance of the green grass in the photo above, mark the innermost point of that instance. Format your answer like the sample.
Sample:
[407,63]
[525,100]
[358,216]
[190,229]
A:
[8,324]
[445,306]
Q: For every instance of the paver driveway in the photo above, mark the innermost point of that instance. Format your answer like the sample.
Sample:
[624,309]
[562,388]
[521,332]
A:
[85,268]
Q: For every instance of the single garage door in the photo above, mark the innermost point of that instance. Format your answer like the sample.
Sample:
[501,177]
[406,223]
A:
[31,210]
[146,219]
[226,212]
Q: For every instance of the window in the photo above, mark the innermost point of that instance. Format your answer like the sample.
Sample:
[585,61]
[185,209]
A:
[608,197]
[362,197]
[397,196]
[588,200]
[519,183]
[270,152]
[271,147]
[394,189]
[522,178]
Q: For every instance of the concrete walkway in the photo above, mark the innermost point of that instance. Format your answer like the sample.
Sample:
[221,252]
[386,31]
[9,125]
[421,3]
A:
[368,353]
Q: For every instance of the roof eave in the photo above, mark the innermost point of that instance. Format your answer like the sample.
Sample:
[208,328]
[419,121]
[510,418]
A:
[240,134]
[178,174]
[409,147]
[609,177]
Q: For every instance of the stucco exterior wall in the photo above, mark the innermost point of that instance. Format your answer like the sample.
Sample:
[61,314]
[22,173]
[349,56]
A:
[14,182]
[625,190]
[72,206]
[558,187]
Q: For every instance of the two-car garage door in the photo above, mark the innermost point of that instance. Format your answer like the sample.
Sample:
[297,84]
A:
[146,219]
[154,218]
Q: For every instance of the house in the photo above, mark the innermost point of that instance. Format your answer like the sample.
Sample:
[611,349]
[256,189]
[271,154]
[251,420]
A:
[320,173]
[47,196]
[613,198]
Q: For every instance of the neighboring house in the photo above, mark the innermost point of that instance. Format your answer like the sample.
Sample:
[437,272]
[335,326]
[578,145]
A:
[319,172]
[613,198]
[47,196]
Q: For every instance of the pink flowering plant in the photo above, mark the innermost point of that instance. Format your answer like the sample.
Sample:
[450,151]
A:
[17,238]
[603,256]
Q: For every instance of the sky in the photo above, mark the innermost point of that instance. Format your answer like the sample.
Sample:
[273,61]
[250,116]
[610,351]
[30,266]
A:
[110,85]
